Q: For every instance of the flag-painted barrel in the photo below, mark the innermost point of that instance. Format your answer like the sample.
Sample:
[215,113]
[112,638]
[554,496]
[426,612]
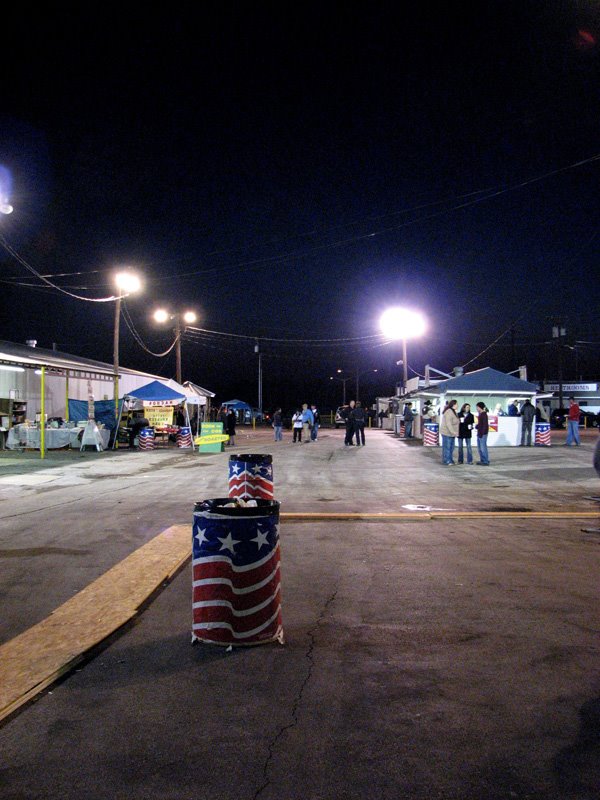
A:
[184,437]
[236,595]
[146,439]
[542,434]
[431,434]
[251,476]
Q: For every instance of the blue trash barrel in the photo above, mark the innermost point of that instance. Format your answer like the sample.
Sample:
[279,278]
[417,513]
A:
[251,476]
[236,589]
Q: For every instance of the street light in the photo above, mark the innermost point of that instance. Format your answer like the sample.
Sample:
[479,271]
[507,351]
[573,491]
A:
[127,283]
[162,315]
[343,380]
[402,323]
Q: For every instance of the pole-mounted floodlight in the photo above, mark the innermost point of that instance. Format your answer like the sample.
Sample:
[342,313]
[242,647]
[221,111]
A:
[402,324]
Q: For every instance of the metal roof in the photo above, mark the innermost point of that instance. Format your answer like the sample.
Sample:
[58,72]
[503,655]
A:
[486,380]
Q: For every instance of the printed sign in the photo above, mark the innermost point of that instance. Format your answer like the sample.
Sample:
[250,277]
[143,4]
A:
[158,416]
[213,438]
[571,387]
[493,423]
[210,430]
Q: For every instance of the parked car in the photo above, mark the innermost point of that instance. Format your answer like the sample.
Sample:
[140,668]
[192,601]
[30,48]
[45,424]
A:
[559,416]
[340,422]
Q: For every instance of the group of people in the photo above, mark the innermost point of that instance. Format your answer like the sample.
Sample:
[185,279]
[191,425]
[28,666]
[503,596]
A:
[355,417]
[459,426]
[305,422]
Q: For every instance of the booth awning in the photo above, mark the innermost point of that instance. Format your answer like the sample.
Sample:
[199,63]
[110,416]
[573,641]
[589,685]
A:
[486,381]
[157,393]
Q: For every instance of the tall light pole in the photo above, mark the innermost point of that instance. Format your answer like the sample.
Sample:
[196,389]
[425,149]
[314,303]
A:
[343,380]
[260,376]
[161,315]
[402,324]
[126,283]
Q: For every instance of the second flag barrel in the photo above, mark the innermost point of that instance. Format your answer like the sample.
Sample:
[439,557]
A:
[251,476]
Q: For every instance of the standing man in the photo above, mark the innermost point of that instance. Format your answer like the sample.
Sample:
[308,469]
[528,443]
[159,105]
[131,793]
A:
[408,421]
[513,409]
[358,424]
[347,414]
[307,422]
[316,422]
[278,425]
[573,423]
[483,428]
[528,417]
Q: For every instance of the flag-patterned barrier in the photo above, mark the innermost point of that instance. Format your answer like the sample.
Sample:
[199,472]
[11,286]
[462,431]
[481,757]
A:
[542,434]
[236,595]
[146,439]
[184,437]
[431,434]
[251,476]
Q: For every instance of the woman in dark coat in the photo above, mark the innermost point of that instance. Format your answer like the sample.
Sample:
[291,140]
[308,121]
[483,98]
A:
[230,421]
[465,429]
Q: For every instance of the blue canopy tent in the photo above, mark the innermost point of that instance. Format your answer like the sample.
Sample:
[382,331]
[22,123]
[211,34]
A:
[237,405]
[157,392]
[243,410]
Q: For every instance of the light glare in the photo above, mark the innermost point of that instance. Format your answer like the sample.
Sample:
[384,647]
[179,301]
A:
[402,323]
[128,282]
[160,315]
[189,317]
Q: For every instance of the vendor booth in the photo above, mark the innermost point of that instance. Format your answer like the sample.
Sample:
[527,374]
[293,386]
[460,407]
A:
[165,411]
[496,389]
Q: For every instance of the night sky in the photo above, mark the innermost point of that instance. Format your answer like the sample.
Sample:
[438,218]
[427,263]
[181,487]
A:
[290,171]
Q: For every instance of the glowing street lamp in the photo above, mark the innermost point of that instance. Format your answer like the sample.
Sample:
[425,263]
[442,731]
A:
[161,315]
[127,283]
[402,324]
[343,380]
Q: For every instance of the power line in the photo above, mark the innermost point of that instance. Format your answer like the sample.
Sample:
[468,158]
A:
[138,338]
[21,260]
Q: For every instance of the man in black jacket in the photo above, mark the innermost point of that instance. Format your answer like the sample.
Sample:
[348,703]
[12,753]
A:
[358,420]
[528,416]
[346,414]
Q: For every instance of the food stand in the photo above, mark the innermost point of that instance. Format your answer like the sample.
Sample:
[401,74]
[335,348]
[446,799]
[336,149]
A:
[490,386]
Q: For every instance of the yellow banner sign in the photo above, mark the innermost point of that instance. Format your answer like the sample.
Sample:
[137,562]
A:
[211,438]
[159,416]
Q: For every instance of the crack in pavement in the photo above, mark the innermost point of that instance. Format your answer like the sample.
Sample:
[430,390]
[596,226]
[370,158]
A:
[297,698]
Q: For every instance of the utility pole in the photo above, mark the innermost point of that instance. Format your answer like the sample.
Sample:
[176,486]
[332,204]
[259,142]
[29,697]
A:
[558,333]
[260,397]
[512,346]
[178,348]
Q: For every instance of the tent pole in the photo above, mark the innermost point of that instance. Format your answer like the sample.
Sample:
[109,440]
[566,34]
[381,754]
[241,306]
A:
[118,423]
[67,396]
[189,424]
[43,416]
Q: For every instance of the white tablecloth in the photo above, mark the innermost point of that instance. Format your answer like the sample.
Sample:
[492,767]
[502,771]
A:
[25,436]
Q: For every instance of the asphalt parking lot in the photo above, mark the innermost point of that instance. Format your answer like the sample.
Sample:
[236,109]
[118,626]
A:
[447,652]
